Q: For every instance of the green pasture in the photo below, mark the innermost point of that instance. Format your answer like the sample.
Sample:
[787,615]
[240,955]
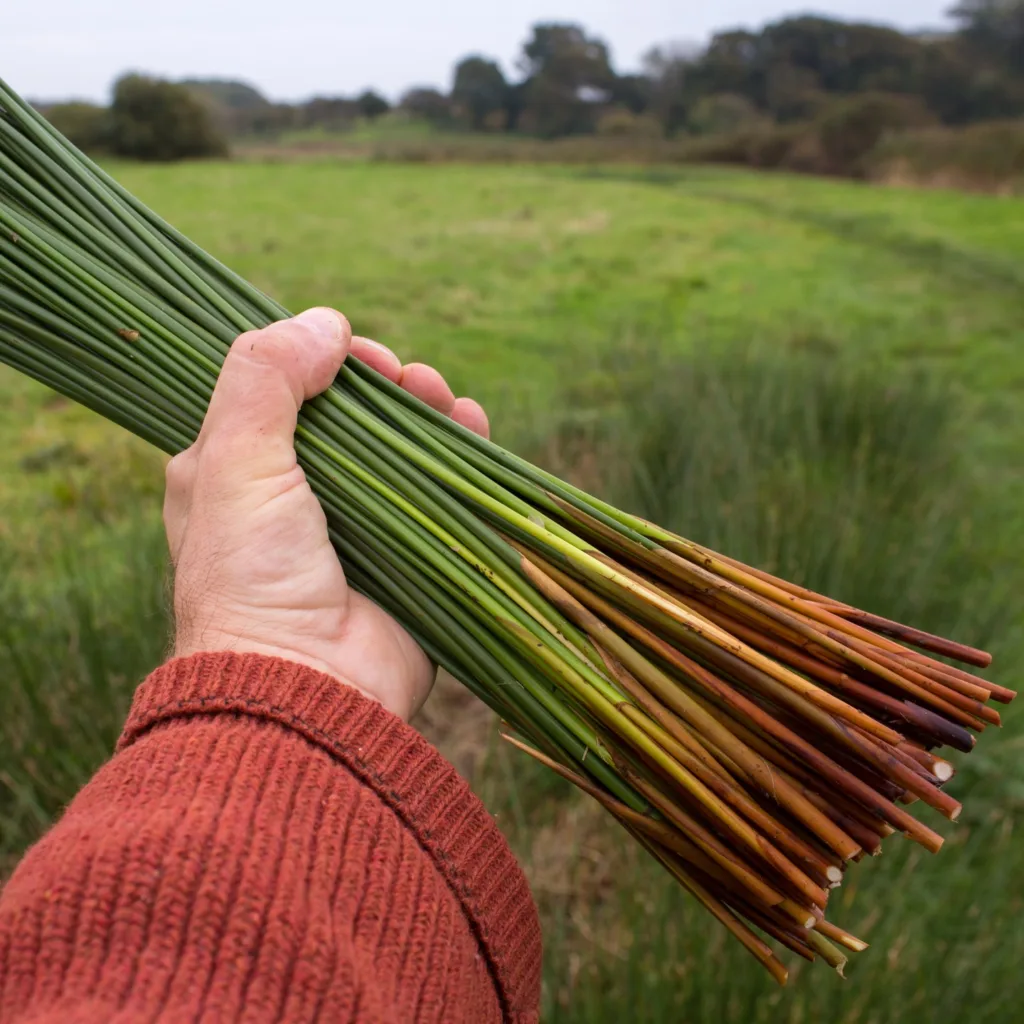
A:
[823,377]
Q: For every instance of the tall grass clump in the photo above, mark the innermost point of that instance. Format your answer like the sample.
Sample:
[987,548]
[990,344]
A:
[844,479]
[81,626]
[987,157]
[801,464]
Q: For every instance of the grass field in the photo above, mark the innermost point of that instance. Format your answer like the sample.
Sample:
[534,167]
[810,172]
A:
[504,276]
[860,347]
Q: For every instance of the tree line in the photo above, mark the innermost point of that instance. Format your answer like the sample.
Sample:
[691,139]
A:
[794,71]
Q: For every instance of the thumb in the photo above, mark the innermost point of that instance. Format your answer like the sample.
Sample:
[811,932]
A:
[267,375]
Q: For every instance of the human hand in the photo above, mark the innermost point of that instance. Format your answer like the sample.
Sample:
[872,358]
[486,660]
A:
[254,568]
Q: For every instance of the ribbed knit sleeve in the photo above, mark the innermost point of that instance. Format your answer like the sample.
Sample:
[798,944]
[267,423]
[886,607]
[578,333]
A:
[268,845]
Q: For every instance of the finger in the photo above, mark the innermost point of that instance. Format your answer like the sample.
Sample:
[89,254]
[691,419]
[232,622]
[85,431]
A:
[180,475]
[426,384]
[265,379]
[378,357]
[472,416]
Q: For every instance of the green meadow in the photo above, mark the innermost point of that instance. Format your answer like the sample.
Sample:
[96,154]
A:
[822,377]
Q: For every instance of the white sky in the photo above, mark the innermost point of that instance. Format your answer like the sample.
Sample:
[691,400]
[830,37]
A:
[292,49]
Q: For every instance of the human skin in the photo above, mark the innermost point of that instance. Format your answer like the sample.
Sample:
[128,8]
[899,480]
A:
[254,567]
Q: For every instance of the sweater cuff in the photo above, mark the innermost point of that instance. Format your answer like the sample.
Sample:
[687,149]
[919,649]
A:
[407,774]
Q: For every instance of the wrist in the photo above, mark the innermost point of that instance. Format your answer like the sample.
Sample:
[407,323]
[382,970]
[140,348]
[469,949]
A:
[394,702]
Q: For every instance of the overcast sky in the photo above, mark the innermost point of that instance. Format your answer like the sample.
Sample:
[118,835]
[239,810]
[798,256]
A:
[292,49]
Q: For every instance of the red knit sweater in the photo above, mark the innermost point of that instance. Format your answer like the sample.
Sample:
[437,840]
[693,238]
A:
[268,845]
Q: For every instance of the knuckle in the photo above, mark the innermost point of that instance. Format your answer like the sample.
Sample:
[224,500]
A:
[267,340]
[245,341]
[180,470]
[273,349]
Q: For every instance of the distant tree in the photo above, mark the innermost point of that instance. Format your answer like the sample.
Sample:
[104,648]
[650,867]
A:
[723,113]
[961,85]
[794,68]
[330,113]
[550,111]
[228,93]
[371,105]
[667,69]
[995,27]
[793,93]
[479,91]
[622,123]
[842,56]
[273,119]
[156,120]
[85,125]
[564,53]
[428,105]
[733,63]
[515,105]
[236,107]
[633,92]
[852,126]
[569,79]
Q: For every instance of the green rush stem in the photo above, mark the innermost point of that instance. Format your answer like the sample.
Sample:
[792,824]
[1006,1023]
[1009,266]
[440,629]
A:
[84,201]
[542,634]
[119,284]
[436,505]
[65,297]
[94,208]
[57,214]
[407,422]
[441,457]
[354,463]
[554,540]
[176,334]
[378,544]
[529,477]
[78,347]
[126,414]
[210,344]
[96,182]
[84,369]
[485,601]
[430,606]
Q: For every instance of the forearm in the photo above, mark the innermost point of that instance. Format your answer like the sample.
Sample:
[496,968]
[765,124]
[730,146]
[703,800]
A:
[267,838]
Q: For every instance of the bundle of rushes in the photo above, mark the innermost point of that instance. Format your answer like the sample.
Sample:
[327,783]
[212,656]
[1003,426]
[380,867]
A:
[753,736]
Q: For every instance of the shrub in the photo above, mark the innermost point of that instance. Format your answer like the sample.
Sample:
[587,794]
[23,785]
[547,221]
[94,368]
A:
[849,129]
[838,142]
[777,146]
[789,147]
[496,121]
[236,107]
[733,148]
[157,120]
[624,124]
[989,157]
[428,105]
[371,105]
[723,113]
[84,124]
